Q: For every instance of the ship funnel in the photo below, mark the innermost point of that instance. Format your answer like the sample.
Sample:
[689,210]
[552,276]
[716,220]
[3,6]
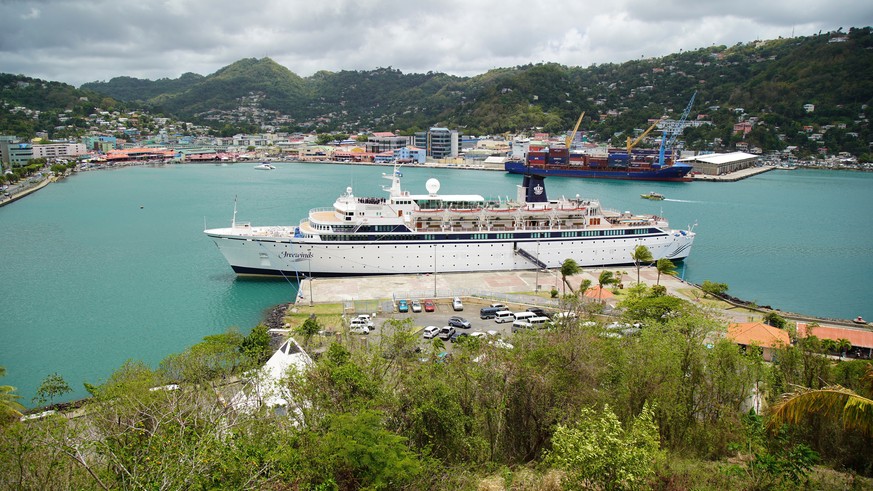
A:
[535,189]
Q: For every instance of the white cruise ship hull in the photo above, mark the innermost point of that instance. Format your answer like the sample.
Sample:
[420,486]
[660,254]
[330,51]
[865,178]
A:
[277,253]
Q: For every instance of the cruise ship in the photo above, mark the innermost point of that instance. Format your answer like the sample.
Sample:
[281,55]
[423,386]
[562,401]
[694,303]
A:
[432,232]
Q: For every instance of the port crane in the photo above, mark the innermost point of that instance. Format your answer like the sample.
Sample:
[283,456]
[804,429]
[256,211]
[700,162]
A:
[676,131]
[571,136]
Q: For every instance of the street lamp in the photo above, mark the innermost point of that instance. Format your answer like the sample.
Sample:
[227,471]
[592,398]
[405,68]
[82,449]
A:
[434,270]
[310,276]
[537,280]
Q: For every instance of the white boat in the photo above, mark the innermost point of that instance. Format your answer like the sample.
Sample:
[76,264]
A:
[423,233]
[265,166]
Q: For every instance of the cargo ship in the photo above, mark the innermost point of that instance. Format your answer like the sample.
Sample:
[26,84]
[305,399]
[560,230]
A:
[639,165]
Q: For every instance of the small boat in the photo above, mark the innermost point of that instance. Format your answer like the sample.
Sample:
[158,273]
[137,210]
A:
[264,166]
[859,320]
[653,196]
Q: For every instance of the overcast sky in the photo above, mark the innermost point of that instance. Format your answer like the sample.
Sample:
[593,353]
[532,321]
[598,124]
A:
[81,41]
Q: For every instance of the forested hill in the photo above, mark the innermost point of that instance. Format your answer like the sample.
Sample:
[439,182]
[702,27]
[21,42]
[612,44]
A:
[771,80]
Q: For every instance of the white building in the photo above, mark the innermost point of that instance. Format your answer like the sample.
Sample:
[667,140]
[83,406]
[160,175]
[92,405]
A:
[58,150]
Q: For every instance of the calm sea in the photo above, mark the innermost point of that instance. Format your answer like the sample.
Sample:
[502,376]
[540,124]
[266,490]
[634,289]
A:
[108,266]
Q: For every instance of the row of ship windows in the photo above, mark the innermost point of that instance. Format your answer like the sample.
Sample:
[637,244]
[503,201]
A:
[490,236]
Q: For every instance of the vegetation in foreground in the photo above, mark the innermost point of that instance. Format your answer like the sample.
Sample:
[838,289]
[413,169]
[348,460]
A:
[573,407]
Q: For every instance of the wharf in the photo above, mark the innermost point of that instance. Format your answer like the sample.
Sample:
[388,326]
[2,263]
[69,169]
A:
[518,287]
[733,176]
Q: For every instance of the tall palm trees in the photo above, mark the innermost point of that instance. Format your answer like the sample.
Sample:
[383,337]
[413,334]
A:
[569,268]
[641,255]
[9,406]
[605,278]
[664,266]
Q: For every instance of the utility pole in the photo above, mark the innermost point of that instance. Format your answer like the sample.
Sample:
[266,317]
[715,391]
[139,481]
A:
[310,276]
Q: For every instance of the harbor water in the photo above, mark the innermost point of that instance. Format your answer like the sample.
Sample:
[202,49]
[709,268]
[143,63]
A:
[108,266]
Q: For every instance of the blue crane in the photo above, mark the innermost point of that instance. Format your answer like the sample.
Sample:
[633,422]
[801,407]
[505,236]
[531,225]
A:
[676,131]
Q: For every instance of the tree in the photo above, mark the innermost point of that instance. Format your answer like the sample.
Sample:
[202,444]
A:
[641,255]
[605,278]
[52,386]
[309,328]
[256,346]
[10,408]
[598,453]
[665,266]
[773,319]
[714,289]
[569,268]
[833,401]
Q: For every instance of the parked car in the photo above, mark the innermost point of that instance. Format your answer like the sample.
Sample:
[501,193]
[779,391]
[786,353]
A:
[403,306]
[457,305]
[431,332]
[489,312]
[459,322]
[366,319]
[359,329]
[416,306]
[457,336]
[538,311]
[503,316]
[429,306]
[446,332]
[499,306]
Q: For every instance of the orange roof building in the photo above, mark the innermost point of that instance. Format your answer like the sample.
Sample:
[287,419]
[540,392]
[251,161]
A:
[769,338]
[595,294]
[861,339]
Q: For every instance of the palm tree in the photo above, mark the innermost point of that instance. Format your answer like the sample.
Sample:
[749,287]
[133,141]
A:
[843,346]
[641,254]
[605,278]
[833,401]
[569,268]
[9,406]
[664,266]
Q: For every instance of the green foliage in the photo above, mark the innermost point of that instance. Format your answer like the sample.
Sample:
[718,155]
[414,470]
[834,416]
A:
[309,328]
[651,306]
[256,346]
[216,357]
[356,452]
[553,293]
[775,320]
[10,408]
[665,266]
[597,452]
[712,288]
[52,386]
[774,463]
[569,268]
[641,255]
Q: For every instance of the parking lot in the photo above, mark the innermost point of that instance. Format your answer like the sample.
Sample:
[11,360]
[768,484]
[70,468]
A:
[440,316]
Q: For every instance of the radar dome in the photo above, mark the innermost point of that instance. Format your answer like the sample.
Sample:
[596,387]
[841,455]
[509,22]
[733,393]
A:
[349,190]
[432,185]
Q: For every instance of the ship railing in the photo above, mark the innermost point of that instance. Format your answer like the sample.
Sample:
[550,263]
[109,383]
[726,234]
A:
[319,210]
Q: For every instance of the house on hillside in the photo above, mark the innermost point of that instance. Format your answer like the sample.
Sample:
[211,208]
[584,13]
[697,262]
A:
[768,338]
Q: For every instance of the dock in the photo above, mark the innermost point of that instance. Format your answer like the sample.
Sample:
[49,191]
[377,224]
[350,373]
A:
[733,176]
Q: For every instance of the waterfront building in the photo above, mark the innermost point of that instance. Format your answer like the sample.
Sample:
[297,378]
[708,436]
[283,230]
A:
[440,143]
[410,154]
[386,141]
[58,150]
[716,164]
[14,152]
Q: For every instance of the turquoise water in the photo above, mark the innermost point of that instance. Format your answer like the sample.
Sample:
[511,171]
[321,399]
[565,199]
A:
[112,265]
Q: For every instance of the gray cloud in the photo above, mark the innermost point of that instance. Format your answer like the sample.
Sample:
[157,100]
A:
[77,41]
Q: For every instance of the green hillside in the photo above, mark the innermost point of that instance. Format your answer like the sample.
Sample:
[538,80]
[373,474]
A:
[29,105]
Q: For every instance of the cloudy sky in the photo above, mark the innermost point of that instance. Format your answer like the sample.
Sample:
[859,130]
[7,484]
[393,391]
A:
[77,41]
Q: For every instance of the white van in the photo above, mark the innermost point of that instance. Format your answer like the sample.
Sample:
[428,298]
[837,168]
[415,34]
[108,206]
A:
[524,316]
[503,316]
[531,323]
